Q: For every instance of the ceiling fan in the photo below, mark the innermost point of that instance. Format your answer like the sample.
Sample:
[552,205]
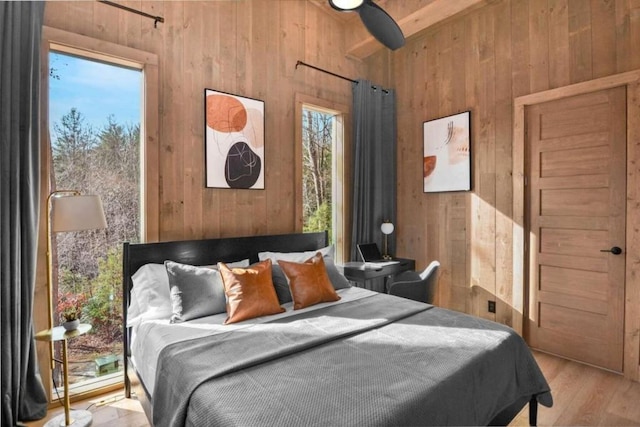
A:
[379,23]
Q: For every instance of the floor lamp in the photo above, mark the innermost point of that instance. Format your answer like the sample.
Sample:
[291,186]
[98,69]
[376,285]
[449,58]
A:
[68,210]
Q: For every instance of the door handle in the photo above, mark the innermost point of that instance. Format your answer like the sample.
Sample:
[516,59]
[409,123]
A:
[614,250]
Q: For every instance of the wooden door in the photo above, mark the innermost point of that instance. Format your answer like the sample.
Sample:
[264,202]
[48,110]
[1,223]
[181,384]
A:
[576,210]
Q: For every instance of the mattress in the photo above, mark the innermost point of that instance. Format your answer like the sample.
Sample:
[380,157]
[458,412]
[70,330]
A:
[369,359]
[151,336]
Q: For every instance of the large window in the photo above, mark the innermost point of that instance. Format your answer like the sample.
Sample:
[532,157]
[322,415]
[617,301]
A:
[321,172]
[317,170]
[94,128]
[100,137]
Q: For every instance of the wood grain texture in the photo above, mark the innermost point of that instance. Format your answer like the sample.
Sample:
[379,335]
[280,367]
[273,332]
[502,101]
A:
[578,317]
[248,48]
[479,61]
[630,80]
[632,290]
[510,49]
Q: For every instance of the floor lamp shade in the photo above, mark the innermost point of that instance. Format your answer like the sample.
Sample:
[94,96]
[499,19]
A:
[77,213]
[69,211]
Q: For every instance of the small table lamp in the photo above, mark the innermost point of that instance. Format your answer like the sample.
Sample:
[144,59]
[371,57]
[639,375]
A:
[387,228]
[68,210]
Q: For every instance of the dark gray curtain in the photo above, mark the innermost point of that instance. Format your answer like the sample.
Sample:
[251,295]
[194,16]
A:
[374,164]
[23,396]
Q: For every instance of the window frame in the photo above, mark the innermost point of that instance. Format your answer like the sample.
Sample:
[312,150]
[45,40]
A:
[88,47]
[340,176]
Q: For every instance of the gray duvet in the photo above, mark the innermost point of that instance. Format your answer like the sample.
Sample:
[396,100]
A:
[379,360]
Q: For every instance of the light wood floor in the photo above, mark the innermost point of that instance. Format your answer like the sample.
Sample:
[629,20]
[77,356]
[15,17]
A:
[585,396]
[582,396]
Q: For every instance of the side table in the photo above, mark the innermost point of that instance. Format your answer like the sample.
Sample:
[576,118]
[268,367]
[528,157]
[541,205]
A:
[361,272]
[82,418]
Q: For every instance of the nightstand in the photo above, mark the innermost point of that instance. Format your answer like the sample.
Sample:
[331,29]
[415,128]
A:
[81,418]
[361,272]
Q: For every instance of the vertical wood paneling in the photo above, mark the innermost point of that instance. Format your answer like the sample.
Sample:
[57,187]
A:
[444,83]
[172,145]
[109,29]
[623,37]
[603,37]
[479,61]
[129,25]
[435,225]
[539,46]
[558,43]
[581,60]
[472,67]
[503,129]
[248,48]
[194,130]
[481,95]
[280,199]
[634,30]
[632,290]
[520,70]
[509,48]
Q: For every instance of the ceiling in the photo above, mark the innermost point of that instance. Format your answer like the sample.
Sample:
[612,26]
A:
[412,16]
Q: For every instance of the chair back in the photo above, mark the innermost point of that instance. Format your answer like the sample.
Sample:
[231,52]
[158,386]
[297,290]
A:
[421,288]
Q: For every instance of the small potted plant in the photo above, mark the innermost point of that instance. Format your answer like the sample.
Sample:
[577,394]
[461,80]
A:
[70,309]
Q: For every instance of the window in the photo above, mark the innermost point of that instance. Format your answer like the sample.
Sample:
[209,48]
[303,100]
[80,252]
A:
[100,102]
[320,180]
[94,127]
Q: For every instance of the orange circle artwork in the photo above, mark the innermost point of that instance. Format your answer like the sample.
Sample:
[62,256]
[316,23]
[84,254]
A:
[225,114]
[428,164]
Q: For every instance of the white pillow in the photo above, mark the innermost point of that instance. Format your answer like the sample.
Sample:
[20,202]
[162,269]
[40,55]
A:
[243,263]
[150,295]
[295,256]
[195,291]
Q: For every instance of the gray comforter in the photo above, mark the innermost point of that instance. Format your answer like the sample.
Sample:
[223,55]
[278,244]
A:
[380,360]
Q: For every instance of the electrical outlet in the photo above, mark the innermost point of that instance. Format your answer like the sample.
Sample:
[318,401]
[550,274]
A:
[492,306]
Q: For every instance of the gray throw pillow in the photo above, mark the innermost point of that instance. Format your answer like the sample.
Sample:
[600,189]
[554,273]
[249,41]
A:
[282,285]
[337,279]
[195,291]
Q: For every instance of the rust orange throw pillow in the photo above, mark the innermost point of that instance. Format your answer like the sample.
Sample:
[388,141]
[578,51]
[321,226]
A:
[250,292]
[309,282]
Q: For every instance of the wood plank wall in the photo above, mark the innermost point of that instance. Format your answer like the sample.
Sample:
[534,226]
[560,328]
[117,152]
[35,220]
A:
[244,47]
[481,61]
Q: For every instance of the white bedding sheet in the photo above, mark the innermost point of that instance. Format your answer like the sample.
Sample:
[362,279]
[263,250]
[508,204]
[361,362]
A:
[151,336]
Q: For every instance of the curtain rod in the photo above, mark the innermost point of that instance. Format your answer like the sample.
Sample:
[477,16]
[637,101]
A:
[156,19]
[333,74]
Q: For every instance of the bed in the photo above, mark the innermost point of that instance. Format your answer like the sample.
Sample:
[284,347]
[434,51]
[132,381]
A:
[363,359]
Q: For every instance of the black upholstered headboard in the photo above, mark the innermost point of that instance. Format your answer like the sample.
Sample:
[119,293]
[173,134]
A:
[206,252]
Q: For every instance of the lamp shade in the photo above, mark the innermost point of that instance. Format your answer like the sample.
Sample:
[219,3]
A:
[77,213]
[387,227]
[346,4]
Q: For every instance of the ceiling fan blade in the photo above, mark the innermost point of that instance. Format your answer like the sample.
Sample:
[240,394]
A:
[381,25]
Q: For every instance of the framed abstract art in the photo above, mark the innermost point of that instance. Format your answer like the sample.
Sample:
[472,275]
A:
[447,154]
[234,141]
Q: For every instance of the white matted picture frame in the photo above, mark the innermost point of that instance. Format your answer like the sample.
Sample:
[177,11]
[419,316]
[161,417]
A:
[447,154]
[234,141]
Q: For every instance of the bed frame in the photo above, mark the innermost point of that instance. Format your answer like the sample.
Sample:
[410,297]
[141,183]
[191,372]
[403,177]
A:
[197,252]
[209,251]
